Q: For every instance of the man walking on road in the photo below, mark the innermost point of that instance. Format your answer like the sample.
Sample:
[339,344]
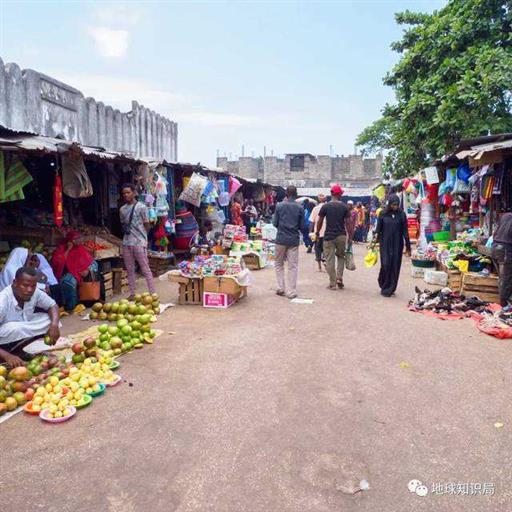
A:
[135,223]
[319,242]
[336,215]
[289,221]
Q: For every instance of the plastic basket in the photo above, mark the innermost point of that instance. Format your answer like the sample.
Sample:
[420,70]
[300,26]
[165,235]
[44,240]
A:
[441,236]
[423,263]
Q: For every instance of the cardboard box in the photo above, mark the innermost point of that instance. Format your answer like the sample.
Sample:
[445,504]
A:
[221,285]
[218,300]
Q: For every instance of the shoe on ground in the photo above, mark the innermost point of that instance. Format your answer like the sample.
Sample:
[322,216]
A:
[280,293]
[292,296]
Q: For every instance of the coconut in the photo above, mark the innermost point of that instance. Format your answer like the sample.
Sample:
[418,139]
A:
[97,307]
[89,342]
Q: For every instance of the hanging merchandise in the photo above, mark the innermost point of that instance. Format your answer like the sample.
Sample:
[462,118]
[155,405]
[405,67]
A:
[162,206]
[379,192]
[224,199]
[160,235]
[186,227]
[498,180]
[234,185]
[221,216]
[194,189]
[58,211]
[75,180]
[461,187]
[431,175]
[464,172]
[12,180]
[449,183]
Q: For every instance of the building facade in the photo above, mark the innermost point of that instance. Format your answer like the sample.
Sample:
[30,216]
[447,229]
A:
[33,102]
[307,171]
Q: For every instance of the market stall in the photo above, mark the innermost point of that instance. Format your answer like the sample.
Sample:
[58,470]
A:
[215,281]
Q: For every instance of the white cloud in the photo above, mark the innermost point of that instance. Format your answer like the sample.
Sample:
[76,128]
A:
[110,43]
[117,13]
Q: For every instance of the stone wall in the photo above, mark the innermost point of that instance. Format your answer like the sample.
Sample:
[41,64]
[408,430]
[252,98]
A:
[318,171]
[33,102]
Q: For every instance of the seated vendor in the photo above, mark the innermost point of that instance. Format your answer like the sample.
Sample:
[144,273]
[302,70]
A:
[72,262]
[18,258]
[19,321]
[46,279]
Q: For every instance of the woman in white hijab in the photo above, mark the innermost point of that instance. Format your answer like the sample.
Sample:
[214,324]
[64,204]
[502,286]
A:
[17,258]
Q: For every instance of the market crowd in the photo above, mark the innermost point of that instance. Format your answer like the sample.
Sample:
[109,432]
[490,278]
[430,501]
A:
[330,227]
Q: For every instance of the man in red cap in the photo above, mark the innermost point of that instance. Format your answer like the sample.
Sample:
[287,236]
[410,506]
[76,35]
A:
[336,216]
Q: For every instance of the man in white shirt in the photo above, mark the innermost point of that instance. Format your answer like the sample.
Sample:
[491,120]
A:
[25,313]
[319,242]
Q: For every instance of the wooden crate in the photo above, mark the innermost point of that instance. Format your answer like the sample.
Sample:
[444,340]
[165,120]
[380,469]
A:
[190,289]
[159,266]
[474,279]
[454,278]
[484,287]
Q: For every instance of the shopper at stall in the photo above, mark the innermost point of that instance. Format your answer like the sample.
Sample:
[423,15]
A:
[19,321]
[360,222]
[204,239]
[236,212]
[135,223]
[391,233]
[289,221]
[351,221]
[502,251]
[18,257]
[307,205]
[71,263]
[250,215]
[319,241]
[335,215]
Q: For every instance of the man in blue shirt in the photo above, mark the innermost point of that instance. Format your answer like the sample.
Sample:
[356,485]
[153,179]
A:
[289,221]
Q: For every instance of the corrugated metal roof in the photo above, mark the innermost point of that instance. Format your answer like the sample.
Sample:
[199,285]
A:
[26,142]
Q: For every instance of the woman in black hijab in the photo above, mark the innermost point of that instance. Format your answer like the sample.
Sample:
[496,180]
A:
[391,233]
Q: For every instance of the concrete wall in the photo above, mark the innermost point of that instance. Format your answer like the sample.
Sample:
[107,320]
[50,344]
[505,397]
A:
[31,101]
[319,171]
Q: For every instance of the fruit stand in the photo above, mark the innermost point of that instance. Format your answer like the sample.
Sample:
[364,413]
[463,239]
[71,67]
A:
[54,386]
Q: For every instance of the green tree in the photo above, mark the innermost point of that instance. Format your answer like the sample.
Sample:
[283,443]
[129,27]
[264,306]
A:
[453,81]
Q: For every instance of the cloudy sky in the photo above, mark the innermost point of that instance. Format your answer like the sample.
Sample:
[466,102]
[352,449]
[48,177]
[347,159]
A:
[291,76]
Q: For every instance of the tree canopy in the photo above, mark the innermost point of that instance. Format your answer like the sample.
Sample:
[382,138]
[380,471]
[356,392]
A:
[453,81]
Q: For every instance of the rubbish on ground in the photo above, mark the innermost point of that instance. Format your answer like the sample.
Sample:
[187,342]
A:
[303,301]
[499,424]
[404,364]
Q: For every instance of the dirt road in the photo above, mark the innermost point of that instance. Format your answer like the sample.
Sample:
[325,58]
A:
[273,406]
